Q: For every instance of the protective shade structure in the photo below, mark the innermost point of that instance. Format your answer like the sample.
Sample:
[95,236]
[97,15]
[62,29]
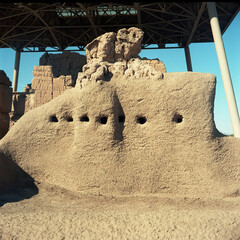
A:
[36,26]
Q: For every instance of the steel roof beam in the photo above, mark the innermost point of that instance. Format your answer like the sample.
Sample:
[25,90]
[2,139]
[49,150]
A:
[34,12]
[5,34]
[183,8]
[4,43]
[76,39]
[136,6]
[21,34]
[176,18]
[89,18]
[160,35]
[203,5]
[33,39]
[13,16]
[164,21]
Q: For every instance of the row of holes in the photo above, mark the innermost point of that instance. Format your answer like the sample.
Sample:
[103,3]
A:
[103,120]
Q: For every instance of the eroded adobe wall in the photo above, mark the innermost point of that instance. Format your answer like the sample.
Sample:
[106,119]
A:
[55,74]
[45,87]
[42,84]
[129,136]
[66,63]
[58,72]
[127,129]
[156,64]
[5,103]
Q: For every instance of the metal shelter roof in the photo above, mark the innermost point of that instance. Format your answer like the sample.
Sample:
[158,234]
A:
[36,26]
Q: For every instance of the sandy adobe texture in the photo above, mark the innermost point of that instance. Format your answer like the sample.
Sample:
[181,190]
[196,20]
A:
[129,153]
[61,215]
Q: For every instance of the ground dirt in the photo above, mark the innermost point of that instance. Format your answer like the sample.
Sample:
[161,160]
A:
[58,214]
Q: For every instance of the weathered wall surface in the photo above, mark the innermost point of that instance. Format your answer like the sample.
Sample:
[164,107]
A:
[66,63]
[156,64]
[129,136]
[45,87]
[42,83]
[60,84]
[19,103]
[56,73]
[131,146]
[127,129]
[116,54]
[5,103]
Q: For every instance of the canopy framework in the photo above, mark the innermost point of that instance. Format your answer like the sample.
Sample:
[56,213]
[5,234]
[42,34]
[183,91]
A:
[38,26]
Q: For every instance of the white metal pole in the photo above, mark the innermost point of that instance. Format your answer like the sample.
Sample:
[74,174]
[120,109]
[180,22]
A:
[16,70]
[222,59]
[188,58]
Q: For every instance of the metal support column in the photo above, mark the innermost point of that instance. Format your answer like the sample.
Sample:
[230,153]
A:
[222,59]
[188,58]
[16,70]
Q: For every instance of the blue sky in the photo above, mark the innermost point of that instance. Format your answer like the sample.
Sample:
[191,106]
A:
[204,59]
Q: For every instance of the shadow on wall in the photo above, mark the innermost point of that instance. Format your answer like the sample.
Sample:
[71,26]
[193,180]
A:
[16,184]
[5,103]
[18,100]
[66,63]
[16,194]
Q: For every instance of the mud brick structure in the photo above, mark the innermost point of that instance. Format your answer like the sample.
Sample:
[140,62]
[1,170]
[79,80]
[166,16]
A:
[128,128]
[65,63]
[131,150]
[156,64]
[45,87]
[55,74]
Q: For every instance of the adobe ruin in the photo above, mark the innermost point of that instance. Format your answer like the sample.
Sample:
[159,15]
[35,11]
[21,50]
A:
[103,118]
[55,74]
[126,129]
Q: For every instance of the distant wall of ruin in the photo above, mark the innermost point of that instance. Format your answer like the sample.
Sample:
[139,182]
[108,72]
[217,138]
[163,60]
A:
[45,87]
[66,63]
[5,103]
[56,73]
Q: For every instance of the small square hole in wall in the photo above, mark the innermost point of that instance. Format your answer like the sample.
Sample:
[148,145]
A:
[141,119]
[53,118]
[103,120]
[69,119]
[84,118]
[178,118]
